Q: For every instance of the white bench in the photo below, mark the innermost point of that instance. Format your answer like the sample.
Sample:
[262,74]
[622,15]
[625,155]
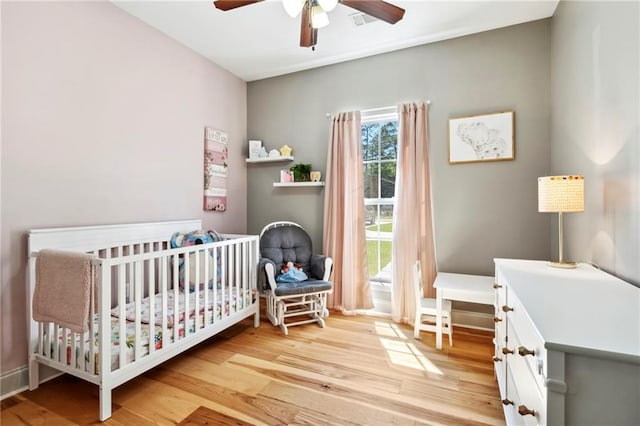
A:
[461,287]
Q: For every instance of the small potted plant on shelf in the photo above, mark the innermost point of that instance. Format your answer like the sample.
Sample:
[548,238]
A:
[301,172]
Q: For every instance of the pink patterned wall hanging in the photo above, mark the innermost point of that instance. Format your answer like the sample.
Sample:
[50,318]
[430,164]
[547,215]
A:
[215,170]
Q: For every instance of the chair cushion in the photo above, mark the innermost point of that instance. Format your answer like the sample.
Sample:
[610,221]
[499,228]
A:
[287,244]
[302,287]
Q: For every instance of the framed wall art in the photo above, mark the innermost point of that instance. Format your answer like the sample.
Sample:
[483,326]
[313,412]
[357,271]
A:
[215,170]
[482,137]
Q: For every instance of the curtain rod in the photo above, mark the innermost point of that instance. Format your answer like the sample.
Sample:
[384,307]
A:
[328,114]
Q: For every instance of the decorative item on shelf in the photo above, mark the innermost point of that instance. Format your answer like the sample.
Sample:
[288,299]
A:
[561,194]
[285,151]
[274,153]
[286,176]
[315,176]
[263,153]
[301,172]
[255,148]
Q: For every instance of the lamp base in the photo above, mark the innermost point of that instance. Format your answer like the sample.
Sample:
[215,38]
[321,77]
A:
[563,264]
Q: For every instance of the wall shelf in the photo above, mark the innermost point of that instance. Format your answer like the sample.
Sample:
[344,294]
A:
[270,159]
[294,184]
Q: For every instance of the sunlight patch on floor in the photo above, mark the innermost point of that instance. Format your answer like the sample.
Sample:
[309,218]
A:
[389,330]
[401,350]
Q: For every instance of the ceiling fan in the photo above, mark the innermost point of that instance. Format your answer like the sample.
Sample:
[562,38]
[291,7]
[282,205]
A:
[314,13]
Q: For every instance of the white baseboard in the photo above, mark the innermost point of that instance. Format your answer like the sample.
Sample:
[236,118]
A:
[468,319]
[463,318]
[471,319]
[15,381]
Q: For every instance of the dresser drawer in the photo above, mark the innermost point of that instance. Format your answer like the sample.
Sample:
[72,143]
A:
[524,395]
[525,341]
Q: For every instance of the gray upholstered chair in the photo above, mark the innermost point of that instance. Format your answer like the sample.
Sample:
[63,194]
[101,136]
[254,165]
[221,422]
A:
[303,301]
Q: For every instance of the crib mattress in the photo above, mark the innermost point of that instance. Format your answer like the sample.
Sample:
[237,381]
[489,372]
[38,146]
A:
[231,304]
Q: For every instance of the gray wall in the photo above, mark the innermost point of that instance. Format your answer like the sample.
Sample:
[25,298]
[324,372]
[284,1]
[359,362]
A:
[595,104]
[481,210]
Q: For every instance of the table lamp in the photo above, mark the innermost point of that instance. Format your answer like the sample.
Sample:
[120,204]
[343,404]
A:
[561,194]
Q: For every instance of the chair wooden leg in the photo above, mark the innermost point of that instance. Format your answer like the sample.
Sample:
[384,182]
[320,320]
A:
[416,326]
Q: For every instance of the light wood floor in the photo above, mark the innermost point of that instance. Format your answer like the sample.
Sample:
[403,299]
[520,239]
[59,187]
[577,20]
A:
[357,371]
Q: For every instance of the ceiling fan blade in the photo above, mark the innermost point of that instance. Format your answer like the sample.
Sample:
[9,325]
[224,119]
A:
[377,8]
[233,4]
[308,34]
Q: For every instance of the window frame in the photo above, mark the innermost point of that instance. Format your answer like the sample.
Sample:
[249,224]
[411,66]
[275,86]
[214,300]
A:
[379,115]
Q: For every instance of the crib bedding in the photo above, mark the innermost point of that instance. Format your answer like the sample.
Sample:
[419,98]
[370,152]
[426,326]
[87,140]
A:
[231,304]
[130,308]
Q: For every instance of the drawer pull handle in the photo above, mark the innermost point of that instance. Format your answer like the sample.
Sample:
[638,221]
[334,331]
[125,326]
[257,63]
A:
[497,359]
[524,351]
[524,411]
[507,351]
[507,402]
[497,286]
[505,308]
[496,319]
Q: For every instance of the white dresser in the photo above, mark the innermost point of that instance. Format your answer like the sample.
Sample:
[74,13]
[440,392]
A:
[567,345]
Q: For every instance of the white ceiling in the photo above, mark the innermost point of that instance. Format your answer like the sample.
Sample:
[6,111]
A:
[261,40]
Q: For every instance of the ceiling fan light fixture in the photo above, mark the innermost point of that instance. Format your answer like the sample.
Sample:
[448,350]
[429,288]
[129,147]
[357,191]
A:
[319,18]
[328,5]
[293,7]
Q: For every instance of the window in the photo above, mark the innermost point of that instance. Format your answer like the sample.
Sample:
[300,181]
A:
[379,155]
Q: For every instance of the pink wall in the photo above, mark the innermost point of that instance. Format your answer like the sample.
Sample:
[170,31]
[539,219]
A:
[102,122]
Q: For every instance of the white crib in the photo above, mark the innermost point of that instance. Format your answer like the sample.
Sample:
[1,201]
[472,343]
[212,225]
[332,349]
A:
[142,317]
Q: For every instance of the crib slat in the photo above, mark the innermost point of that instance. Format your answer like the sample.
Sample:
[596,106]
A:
[56,344]
[217,266]
[137,283]
[196,307]
[81,360]
[89,364]
[164,288]
[151,264]
[104,334]
[122,323]
[47,347]
[72,346]
[92,324]
[243,286]
[176,312]
[130,275]
[207,278]
[187,278]
[40,337]
[238,263]
[225,281]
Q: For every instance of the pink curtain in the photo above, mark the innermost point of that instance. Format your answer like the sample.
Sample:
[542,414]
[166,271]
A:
[412,224]
[344,231]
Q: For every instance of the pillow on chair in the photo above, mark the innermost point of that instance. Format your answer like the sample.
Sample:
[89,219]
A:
[291,273]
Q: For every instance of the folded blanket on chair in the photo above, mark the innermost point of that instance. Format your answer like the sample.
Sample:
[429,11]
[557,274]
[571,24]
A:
[63,289]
